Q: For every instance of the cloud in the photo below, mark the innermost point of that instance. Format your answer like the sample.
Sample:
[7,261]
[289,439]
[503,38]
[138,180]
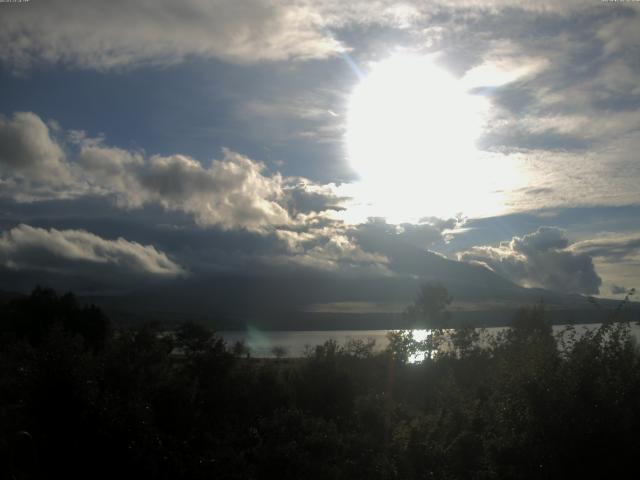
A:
[35,160]
[617,258]
[233,192]
[605,175]
[378,235]
[306,197]
[546,75]
[545,72]
[408,247]
[78,251]
[619,34]
[541,259]
[110,170]
[329,248]
[548,71]
[618,290]
[610,247]
[155,32]
[89,34]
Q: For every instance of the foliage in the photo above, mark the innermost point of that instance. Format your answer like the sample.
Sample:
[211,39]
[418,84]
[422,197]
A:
[80,399]
[279,351]
[430,306]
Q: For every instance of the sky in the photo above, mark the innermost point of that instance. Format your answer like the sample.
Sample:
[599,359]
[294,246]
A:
[152,143]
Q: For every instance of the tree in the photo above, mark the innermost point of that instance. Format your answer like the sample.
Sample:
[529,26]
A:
[279,351]
[34,317]
[194,338]
[430,306]
[240,349]
[401,344]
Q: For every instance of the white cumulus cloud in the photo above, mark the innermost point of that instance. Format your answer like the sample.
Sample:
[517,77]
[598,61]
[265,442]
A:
[31,157]
[231,193]
[234,192]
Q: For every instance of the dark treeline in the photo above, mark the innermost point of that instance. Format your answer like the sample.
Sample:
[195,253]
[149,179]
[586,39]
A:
[80,398]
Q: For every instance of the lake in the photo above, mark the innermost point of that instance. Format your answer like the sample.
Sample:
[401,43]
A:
[295,343]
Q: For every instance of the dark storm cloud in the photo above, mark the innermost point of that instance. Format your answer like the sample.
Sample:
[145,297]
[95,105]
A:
[543,259]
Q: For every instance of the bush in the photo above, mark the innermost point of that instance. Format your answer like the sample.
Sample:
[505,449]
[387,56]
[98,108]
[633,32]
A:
[100,402]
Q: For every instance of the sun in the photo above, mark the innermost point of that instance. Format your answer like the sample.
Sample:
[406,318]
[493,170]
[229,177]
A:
[411,133]
[413,112]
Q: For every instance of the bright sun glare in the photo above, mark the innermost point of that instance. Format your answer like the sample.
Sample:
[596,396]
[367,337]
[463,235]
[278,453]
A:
[411,134]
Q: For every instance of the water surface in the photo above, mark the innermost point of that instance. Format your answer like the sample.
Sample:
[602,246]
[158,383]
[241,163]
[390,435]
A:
[295,344]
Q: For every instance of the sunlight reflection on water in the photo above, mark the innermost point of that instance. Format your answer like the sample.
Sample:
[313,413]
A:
[296,344]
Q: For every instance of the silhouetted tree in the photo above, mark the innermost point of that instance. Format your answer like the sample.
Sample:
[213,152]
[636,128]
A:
[430,306]
[34,317]
[279,351]
[507,405]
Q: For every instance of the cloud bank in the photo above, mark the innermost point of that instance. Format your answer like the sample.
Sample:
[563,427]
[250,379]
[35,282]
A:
[91,34]
[77,251]
[233,192]
[541,259]
[124,34]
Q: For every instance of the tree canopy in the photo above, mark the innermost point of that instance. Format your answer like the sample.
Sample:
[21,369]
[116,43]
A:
[429,308]
[522,403]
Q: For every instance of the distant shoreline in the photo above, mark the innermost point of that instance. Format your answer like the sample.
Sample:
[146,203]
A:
[359,322]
